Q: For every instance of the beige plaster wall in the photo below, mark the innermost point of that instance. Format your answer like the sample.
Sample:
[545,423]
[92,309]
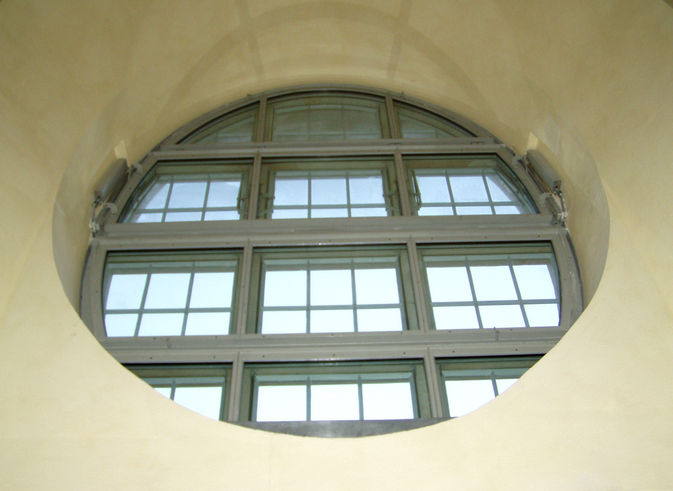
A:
[587,82]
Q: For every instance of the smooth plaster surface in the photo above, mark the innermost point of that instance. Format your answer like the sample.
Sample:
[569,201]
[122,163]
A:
[586,82]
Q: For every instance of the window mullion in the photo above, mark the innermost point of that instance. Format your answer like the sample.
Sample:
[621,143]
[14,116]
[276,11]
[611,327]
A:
[418,287]
[235,388]
[142,303]
[183,330]
[402,189]
[474,293]
[254,193]
[354,299]
[432,381]
[361,405]
[168,200]
[242,285]
[308,398]
[518,293]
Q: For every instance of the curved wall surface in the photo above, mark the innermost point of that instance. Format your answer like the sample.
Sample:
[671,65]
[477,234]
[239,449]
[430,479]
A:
[586,83]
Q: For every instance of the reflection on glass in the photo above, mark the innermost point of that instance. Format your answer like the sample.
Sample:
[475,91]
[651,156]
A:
[421,124]
[237,127]
[325,118]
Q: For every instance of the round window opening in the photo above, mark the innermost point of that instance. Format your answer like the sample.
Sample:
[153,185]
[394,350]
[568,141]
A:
[330,262]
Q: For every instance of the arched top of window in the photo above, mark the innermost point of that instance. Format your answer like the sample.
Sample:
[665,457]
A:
[325,115]
[331,261]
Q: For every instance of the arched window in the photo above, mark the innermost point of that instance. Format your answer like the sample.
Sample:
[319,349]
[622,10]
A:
[330,261]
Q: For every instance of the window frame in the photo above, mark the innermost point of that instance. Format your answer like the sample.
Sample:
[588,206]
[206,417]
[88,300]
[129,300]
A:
[194,168]
[411,368]
[460,369]
[406,231]
[271,167]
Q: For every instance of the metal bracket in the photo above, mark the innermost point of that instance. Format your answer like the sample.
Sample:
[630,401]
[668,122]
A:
[97,217]
[548,182]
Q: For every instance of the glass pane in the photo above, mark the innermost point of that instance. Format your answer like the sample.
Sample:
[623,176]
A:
[459,317]
[331,287]
[501,316]
[499,190]
[290,123]
[474,210]
[167,291]
[221,215]
[468,188]
[435,210]
[534,281]
[328,191]
[223,193]
[366,190]
[376,286]
[332,321]
[147,217]
[335,402]
[290,213]
[212,290]
[284,288]
[465,396]
[238,127]
[369,212]
[509,210]
[290,192]
[207,323]
[281,403]
[119,325]
[419,124]
[183,216]
[378,320]
[202,400]
[449,284]
[504,383]
[284,322]
[325,118]
[156,196]
[164,391]
[387,401]
[325,122]
[329,213]
[125,291]
[433,189]
[542,315]
[161,325]
[187,195]
[361,123]
[493,283]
